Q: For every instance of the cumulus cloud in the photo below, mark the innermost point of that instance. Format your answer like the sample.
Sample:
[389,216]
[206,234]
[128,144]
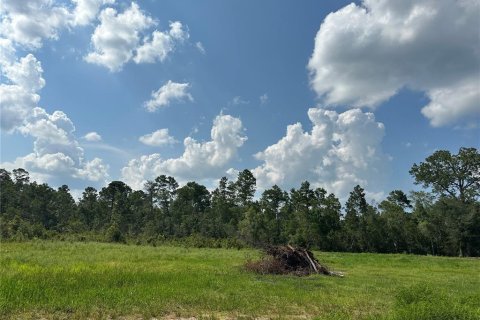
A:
[200,160]
[171,91]
[161,44]
[19,94]
[86,10]
[29,22]
[157,138]
[340,151]
[364,54]
[117,36]
[94,170]
[450,104]
[55,149]
[56,152]
[92,136]
[118,39]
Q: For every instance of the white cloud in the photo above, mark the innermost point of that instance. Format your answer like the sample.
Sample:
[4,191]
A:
[86,10]
[55,149]
[453,103]
[157,138]
[92,136]
[56,152]
[26,73]
[364,54]
[94,170]
[237,100]
[200,160]
[20,94]
[263,99]
[117,36]
[200,47]
[28,22]
[161,44]
[7,52]
[167,93]
[341,150]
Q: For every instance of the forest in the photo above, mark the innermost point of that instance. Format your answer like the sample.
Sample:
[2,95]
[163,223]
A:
[443,219]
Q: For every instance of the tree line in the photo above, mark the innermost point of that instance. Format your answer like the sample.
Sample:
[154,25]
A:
[444,219]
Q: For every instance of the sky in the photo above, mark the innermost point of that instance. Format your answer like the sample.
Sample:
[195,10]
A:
[336,93]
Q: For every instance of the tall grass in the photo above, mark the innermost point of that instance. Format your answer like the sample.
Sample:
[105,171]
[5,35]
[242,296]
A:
[97,280]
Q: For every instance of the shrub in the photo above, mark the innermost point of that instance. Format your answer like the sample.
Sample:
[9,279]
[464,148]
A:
[113,234]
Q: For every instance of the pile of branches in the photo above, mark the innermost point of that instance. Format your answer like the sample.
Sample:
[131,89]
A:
[288,260]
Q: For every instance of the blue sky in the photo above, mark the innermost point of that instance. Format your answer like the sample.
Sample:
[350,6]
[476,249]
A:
[334,92]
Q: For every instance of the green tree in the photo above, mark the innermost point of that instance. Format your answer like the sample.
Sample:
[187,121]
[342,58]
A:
[356,206]
[273,204]
[245,187]
[139,206]
[115,201]
[189,207]
[21,175]
[88,207]
[398,226]
[252,227]
[166,188]
[456,176]
[7,191]
[455,179]
[301,230]
[64,209]
[327,213]
[429,222]
[222,221]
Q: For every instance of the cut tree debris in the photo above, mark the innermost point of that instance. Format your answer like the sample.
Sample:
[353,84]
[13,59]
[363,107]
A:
[289,260]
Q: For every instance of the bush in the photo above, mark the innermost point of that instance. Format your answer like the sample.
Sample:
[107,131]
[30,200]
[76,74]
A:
[113,234]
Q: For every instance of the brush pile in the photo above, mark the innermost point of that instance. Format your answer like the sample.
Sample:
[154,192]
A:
[288,260]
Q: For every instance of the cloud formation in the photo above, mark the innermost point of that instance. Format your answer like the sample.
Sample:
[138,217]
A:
[20,94]
[118,39]
[171,91]
[364,54]
[161,44]
[92,136]
[86,10]
[56,152]
[29,22]
[200,160]
[157,138]
[340,151]
[117,36]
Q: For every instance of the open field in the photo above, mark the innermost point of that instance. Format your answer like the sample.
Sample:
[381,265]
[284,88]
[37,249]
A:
[57,280]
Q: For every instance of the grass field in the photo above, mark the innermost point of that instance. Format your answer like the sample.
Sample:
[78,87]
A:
[61,280]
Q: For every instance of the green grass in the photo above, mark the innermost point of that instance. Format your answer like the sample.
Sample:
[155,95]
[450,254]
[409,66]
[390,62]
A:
[61,280]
